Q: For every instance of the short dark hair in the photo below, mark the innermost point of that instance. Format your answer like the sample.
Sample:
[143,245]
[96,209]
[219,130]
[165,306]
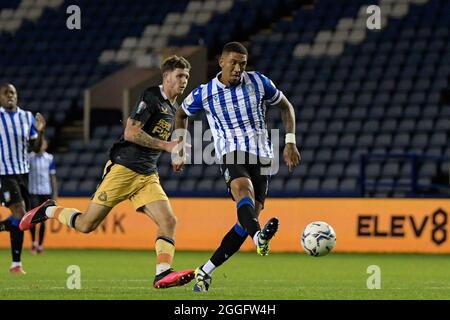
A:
[173,62]
[234,47]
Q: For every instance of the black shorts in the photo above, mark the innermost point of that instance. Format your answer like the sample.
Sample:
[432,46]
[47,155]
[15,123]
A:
[14,189]
[239,164]
[37,199]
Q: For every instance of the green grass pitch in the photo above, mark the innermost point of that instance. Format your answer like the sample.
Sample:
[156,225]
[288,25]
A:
[117,274]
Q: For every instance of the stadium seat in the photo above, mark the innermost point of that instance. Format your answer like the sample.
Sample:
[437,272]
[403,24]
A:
[355,92]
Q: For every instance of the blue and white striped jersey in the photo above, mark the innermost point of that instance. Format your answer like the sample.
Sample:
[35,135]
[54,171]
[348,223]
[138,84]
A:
[236,114]
[41,167]
[16,130]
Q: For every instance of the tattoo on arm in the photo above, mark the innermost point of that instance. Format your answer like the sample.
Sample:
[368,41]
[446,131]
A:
[141,138]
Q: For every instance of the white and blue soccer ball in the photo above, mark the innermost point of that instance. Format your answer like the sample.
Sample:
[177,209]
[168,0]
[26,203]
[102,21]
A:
[318,239]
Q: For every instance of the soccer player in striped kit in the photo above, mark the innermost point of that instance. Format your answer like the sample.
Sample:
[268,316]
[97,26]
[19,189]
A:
[42,186]
[19,130]
[235,103]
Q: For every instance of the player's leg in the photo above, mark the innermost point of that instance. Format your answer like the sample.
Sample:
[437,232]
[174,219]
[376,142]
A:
[84,222]
[34,243]
[153,201]
[40,247]
[42,227]
[35,201]
[16,236]
[230,244]
[260,176]
[240,187]
[161,213]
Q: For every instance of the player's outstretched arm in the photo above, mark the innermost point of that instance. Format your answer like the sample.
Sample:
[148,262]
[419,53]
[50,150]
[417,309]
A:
[134,133]
[291,155]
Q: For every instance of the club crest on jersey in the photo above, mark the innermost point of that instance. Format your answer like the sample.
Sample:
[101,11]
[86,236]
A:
[165,110]
[189,99]
[142,105]
[103,196]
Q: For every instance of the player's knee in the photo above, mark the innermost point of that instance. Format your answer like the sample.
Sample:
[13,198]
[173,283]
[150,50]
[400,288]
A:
[245,191]
[168,224]
[172,222]
[86,227]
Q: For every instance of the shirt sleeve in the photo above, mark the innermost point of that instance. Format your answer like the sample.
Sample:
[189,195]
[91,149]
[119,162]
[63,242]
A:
[193,102]
[52,167]
[33,129]
[271,94]
[145,107]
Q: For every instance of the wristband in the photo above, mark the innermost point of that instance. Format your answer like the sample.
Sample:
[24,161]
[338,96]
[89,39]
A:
[289,138]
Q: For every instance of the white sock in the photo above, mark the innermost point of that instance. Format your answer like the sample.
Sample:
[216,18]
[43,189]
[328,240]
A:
[209,267]
[49,211]
[16,264]
[161,267]
[35,243]
[256,239]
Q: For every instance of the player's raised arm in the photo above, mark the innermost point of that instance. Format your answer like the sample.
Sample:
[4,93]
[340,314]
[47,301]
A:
[135,134]
[37,133]
[290,153]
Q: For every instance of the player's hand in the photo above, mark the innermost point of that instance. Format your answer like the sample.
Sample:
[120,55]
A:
[177,167]
[291,156]
[40,122]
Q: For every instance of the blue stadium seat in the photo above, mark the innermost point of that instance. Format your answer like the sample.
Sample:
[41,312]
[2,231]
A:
[87,186]
[311,184]
[335,170]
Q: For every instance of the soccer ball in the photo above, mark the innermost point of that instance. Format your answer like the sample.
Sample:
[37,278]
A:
[318,239]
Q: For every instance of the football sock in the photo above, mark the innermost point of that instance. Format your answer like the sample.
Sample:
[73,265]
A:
[165,250]
[5,225]
[208,267]
[66,216]
[230,244]
[16,264]
[247,216]
[16,236]
[33,233]
[42,232]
